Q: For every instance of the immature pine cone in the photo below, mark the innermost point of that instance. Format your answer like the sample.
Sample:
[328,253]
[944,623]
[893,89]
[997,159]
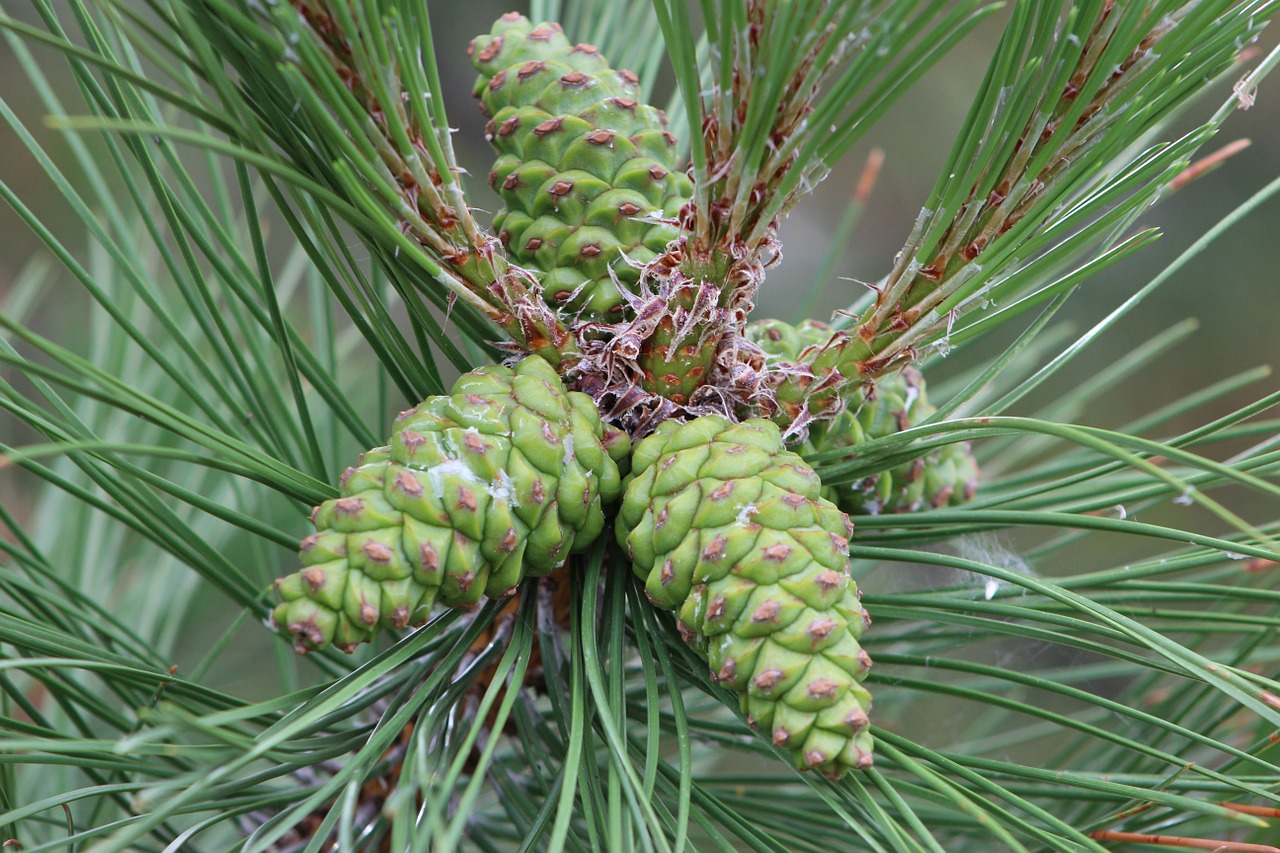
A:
[729,528]
[947,476]
[499,481]
[585,170]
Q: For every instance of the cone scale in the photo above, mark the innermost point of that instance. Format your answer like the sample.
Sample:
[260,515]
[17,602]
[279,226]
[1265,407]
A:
[944,477]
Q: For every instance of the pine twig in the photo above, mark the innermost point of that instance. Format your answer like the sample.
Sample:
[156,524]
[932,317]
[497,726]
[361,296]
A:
[372,124]
[1040,143]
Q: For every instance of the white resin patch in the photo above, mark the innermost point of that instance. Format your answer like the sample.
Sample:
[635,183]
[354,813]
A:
[452,468]
[913,393]
[503,489]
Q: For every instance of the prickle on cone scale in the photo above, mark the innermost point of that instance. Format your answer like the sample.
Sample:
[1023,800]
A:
[730,530]
[498,481]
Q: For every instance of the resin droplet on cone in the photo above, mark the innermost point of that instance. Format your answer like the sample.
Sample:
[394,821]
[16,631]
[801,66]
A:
[501,480]
[730,529]
[584,169]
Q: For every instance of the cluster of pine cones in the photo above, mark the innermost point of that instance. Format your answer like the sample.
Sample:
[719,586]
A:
[511,473]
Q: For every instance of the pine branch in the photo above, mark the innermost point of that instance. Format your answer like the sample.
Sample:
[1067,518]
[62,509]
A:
[1048,160]
[367,120]
[773,73]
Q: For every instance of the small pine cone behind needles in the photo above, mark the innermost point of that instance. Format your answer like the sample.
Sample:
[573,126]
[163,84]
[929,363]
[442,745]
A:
[499,481]
[947,476]
[584,169]
[729,529]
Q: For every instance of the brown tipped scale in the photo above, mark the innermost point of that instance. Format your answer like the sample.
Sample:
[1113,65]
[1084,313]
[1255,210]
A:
[730,530]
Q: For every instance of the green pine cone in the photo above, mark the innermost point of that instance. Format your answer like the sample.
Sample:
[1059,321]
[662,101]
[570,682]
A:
[583,168]
[947,476]
[729,529]
[499,481]
[785,341]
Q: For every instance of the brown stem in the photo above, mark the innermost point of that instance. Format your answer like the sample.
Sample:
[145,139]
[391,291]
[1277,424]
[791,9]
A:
[1181,841]
[1260,811]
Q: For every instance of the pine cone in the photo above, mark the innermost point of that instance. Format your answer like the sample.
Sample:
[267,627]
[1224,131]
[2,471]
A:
[476,491]
[729,528]
[947,476]
[584,169]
